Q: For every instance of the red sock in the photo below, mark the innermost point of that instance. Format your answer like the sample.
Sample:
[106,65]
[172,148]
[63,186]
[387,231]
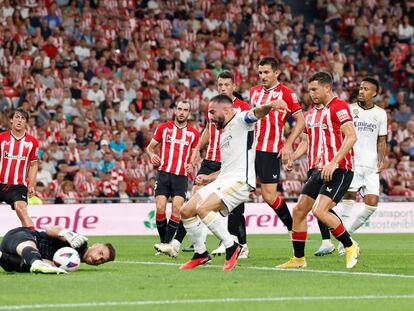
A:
[160,216]
[277,203]
[175,219]
[31,228]
[338,231]
[299,236]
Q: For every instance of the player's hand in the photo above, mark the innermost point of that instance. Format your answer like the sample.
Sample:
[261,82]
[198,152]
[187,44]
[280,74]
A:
[380,166]
[279,105]
[189,168]
[288,167]
[195,157]
[202,180]
[30,191]
[287,156]
[74,239]
[328,171]
[155,159]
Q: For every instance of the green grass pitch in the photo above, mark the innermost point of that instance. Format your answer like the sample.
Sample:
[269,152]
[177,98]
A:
[138,280]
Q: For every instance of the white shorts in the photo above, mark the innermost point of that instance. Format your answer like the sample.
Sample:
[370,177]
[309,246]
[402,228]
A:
[232,193]
[365,181]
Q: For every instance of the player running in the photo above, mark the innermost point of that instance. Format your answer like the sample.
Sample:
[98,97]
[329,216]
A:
[327,185]
[18,166]
[370,123]
[269,134]
[24,250]
[177,139]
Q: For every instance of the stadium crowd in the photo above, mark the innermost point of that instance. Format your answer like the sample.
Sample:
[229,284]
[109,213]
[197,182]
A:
[98,77]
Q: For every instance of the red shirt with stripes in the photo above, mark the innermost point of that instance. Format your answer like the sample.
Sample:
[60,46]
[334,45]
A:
[16,154]
[335,114]
[313,130]
[176,145]
[213,148]
[269,130]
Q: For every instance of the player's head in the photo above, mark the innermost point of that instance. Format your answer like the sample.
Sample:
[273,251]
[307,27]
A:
[18,119]
[268,71]
[320,87]
[182,111]
[368,89]
[220,110]
[225,83]
[99,253]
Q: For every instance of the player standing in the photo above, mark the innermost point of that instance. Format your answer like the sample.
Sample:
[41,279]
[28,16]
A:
[18,166]
[370,123]
[177,139]
[327,185]
[269,134]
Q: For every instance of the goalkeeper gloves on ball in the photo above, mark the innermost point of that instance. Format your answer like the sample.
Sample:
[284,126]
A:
[75,239]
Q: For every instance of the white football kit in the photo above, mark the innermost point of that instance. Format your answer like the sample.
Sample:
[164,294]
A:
[369,125]
[237,177]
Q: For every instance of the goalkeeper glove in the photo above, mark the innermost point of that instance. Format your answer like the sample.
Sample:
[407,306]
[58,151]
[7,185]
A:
[75,239]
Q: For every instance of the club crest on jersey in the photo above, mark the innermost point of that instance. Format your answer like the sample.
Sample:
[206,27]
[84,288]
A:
[27,145]
[355,112]
[342,115]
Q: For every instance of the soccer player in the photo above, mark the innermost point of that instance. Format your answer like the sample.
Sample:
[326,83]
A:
[230,186]
[18,166]
[24,250]
[269,134]
[177,139]
[327,185]
[370,123]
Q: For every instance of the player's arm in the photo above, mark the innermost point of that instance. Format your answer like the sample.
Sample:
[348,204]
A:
[259,112]
[73,238]
[349,141]
[33,167]
[302,148]
[382,150]
[203,180]
[287,149]
[155,159]
[205,137]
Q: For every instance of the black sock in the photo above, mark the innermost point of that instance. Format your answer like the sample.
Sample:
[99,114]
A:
[342,235]
[233,221]
[325,233]
[284,215]
[181,232]
[299,248]
[197,255]
[230,251]
[242,230]
[30,254]
[171,229]
[161,226]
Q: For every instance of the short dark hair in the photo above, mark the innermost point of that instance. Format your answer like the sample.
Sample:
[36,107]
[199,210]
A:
[24,113]
[112,251]
[270,60]
[321,77]
[226,75]
[372,81]
[222,99]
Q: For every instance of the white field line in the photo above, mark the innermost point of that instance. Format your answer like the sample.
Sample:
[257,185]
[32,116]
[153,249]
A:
[350,273]
[93,304]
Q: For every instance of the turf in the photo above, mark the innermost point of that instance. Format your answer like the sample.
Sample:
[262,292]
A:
[150,286]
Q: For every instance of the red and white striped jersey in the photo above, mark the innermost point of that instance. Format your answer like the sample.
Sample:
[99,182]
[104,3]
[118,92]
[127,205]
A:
[213,148]
[313,130]
[335,114]
[16,154]
[269,130]
[176,145]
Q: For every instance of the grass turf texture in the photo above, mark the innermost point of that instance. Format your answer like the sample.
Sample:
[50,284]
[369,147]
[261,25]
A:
[129,280]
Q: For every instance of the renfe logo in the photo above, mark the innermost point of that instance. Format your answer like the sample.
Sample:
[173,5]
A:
[72,222]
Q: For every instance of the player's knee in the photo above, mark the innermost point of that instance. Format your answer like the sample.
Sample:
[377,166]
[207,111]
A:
[186,212]
[20,207]
[160,208]
[371,208]
[268,195]
[299,212]
[316,212]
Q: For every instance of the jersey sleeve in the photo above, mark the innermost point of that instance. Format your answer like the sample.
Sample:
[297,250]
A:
[383,124]
[342,114]
[243,106]
[34,153]
[158,133]
[196,139]
[291,100]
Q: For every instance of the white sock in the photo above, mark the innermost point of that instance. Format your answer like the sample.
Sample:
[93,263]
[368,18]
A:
[195,232]
[346,212]
[218,228]
[326,243]
[363,216]
[176,243]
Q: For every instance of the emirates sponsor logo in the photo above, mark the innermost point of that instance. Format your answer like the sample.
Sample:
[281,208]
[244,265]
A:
[9,156]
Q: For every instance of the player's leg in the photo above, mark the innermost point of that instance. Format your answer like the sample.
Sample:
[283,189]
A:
[327,246]
[237,227]
[162,193]
[174,220]
[346,205]
[16,196]
[370,192]
[21,211]
[267,167]
[11,262]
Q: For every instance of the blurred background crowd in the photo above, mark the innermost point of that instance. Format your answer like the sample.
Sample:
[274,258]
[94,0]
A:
[99,76]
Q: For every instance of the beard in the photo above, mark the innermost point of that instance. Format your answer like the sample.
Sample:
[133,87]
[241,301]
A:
[180,120]
[219,123]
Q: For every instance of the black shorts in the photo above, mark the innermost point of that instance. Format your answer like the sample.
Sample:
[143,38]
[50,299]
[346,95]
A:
[335,189]
[13,193]
[208,167]
[16,236]
[171,185]
[267,165]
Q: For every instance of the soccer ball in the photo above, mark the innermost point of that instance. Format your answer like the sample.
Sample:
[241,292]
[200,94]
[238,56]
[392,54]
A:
[67,258]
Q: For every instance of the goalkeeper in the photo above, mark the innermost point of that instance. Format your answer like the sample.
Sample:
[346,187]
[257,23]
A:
[24,250]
